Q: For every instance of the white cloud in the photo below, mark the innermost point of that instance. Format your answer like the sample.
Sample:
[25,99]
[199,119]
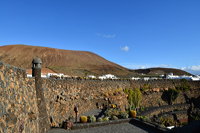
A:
[195,68]
[192,69]
[108,36]
[135,66]
[125,48]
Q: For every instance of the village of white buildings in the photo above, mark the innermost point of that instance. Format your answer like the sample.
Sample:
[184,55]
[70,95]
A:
[111,76]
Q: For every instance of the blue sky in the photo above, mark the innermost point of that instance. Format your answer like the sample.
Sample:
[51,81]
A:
[132,33]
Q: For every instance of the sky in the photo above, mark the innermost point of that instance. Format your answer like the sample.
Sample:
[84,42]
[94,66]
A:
[132,33]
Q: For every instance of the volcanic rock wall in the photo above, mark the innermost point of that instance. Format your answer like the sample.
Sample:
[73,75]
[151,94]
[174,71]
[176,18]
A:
[63,95]
[18,105]
[152,96]
[18,108]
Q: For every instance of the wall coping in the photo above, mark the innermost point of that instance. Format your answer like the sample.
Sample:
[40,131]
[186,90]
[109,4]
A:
[153,109]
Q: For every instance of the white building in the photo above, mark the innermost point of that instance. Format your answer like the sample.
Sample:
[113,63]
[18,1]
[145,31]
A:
[135,78]
[91,76]
[60,75]
[146,78]
[108,76]
[196,78]
[193,78]
[48,75]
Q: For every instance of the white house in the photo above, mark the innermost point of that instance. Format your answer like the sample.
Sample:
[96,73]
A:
[91,76]
[48,75]
[196,78]
[135,78]
[108,76]
[193,78]
[146,78]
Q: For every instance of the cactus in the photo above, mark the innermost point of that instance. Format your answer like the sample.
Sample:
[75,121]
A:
[123,115]
[133,113]
[113,106]
[143,118]
[106,119]
[111,112]
[99,119]
[83,119]
[114,117]
[91,118]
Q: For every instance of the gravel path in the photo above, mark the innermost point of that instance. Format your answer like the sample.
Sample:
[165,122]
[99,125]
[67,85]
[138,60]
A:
[92,112]
[115,128]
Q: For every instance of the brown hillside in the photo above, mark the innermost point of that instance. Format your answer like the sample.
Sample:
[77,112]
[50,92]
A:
[75,63]
[64,61]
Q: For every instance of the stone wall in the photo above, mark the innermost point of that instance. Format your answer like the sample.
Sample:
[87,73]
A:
[18,108]
[155,111]
[163,83]
[154,98]
[63,95]
[153,95]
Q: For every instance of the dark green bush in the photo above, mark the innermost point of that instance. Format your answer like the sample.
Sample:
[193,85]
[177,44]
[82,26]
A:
[170,95]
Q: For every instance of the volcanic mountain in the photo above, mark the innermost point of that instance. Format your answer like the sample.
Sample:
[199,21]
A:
[74,63]
[61,61]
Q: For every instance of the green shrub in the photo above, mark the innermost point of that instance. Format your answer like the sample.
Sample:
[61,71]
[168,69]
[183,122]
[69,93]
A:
[167,121]
[170,95]
[143,118]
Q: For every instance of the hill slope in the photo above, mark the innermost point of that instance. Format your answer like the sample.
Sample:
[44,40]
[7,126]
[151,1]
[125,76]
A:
[64,61]
[161,71]
[75,63]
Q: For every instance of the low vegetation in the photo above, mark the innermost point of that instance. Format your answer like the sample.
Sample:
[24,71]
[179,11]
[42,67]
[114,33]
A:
[184,86]
[134,97]
[145,87]
[92,118]
[170,95]
[166,121]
